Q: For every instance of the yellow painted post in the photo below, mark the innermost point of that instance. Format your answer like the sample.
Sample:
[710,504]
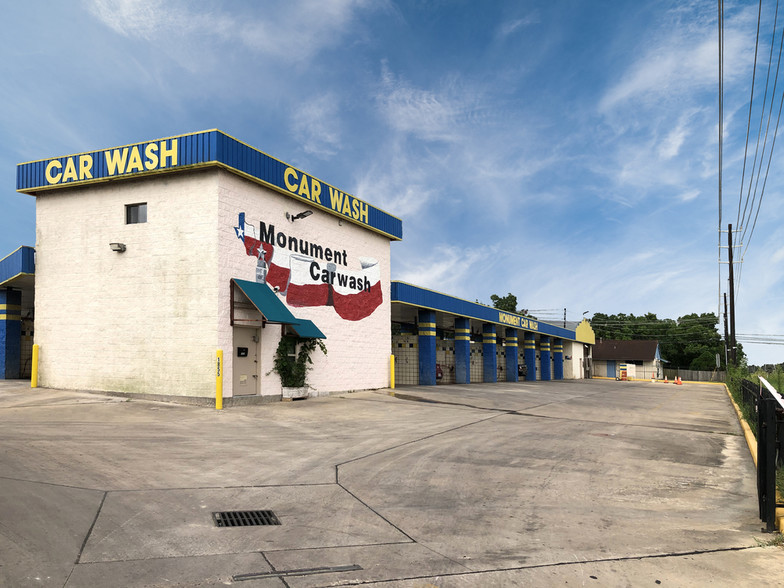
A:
[34,375]
[392,371]
[219,382]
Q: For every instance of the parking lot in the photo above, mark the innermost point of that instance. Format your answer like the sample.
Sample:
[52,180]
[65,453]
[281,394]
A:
[593,482]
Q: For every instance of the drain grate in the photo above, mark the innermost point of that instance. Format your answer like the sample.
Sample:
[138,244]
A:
[244,518]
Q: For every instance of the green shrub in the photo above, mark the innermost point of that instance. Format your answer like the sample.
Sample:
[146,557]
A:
[292,365]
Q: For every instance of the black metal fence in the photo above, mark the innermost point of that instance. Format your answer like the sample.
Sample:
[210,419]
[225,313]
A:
[767,405]
[750,394]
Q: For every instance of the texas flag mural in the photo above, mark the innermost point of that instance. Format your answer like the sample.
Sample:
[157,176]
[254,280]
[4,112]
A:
[305,280]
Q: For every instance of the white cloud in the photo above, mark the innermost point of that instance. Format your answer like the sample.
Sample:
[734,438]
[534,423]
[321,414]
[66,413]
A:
[672,143]
[508,27]
[316,125]
[689,195]
[135,18]
[289,31]
[457,131]
[778,255]
[426,114]
[446,268]
[682,61]
[395,182]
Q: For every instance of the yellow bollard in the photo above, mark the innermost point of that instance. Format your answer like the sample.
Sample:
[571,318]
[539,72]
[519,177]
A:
[392,371]
[34,375]
[219,382]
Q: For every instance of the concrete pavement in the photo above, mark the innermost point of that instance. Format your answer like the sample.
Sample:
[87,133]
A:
[536,483]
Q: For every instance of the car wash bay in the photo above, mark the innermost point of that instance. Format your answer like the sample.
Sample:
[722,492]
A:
[437,338]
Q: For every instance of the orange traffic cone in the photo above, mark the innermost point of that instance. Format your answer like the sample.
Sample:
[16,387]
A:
[665,380]
[678,381]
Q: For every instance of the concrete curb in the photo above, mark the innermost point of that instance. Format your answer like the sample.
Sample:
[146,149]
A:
[751,441]
[209,401]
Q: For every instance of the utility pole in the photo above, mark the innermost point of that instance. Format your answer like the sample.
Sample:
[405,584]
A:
[564,318]
[726,331]
[733,354]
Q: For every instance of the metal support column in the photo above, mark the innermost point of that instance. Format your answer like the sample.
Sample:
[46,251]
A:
[489,360]
[510,342]
[10,334]
[544,352]
[462,351]
[529,348]
[427,348]
[558,359]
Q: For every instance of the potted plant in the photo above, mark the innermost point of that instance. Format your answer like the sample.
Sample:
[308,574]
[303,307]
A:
[292,362]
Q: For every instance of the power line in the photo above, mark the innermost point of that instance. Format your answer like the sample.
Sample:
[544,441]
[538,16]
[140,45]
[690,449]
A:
[749,208]
[751,104]
[633,322]
[767,129]
[738,223]
[754,176]
[760,341]
[721,127]
[766,176]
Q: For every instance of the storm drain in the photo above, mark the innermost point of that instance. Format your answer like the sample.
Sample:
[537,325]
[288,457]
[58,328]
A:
[244,518]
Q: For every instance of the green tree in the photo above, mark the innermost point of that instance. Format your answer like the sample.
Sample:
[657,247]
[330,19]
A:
[691,342]
[507,303]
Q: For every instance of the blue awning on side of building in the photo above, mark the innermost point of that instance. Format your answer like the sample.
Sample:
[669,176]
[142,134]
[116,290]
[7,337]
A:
[274,311]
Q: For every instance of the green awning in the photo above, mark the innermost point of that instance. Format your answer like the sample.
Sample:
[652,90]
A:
[274,311]
[266,302]
[307,330]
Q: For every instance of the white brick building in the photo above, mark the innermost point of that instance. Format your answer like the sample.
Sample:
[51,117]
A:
[187,216]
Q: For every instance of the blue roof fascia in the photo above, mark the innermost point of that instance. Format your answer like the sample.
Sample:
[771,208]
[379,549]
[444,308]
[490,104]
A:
[193,150]
[421,297]
[20,261]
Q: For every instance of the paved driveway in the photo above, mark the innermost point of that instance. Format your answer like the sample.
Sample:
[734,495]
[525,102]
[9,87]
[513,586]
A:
[539,483]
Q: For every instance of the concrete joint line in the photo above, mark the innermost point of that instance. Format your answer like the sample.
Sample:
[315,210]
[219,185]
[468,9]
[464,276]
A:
[557,565]
[401,531]
[92,526]
[375,512]
[413,441]
[51,484]
[300,572]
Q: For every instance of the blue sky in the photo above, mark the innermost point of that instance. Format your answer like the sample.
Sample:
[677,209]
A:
[564,151]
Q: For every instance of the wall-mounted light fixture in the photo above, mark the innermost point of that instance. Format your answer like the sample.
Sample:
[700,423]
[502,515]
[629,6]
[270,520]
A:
[293,217]
[118,247]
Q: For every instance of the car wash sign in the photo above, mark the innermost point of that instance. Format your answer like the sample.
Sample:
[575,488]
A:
[312,273]
[208,148]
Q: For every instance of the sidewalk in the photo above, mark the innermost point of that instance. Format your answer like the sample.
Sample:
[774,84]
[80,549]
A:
[533,483]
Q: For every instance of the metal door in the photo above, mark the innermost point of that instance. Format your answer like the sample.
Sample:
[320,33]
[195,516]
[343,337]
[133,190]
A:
[245,372]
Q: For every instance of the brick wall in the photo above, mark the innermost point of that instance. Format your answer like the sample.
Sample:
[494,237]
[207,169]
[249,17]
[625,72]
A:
[358,351]
[150,320]
[138,321]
